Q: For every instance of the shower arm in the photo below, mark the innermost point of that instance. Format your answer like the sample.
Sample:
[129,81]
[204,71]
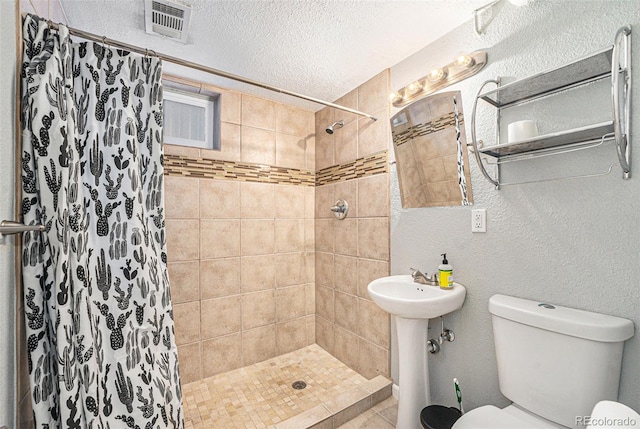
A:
[147,52]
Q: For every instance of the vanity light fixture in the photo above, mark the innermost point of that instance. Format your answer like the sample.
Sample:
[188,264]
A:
[462,67]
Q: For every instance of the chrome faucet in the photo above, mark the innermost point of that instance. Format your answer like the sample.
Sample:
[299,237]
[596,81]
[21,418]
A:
[418,277]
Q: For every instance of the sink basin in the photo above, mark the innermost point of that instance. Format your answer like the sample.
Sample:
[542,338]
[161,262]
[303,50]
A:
[413,304]
[402,297]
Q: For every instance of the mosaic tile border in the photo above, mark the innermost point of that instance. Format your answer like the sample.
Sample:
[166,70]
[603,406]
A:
[205,168]
[369,165]
[426,128]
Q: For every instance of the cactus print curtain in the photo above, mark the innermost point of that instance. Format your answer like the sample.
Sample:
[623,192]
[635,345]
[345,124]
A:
[100,334]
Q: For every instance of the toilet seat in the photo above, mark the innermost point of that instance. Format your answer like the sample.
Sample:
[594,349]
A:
[491,417]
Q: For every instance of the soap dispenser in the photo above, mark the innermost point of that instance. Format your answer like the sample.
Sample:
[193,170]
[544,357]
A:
[446,273]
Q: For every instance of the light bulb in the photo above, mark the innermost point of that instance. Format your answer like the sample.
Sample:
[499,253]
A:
[414,87]
[464,61]
[394,97]
[437,74]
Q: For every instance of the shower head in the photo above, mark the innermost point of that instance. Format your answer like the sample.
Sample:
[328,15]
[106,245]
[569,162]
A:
[335,125]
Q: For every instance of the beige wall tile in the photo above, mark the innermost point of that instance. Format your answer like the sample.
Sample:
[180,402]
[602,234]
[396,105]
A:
[374,324]
[258,309]
[309,202]
[291,120]
[257,237]
[309,235]
[289,235]
[291,151]
[346,274]
[290,303]
[257,273]
[310,298]
[324,234]
[187,322]
[221,354]
[348,191]
[258,112]
[257,200]
[290,335]
[290,201]
[190,360]
[219,277]
[324,150]
[220,316]
[230,107]
[310,152]
[350,100]
[345,347]
[368,271]
[324,269]
[290,269]
[373,136]
[346,311]
[310,266]
[346,143]
[373,94]
[258,145]
[373,196]
[325,199]
[230,135]
[180,197]
[325,334]
[183,239]
[310,327]
[219,199]
[219,238]
[372,360]
[373,238]
[346,233]
[185,281]
[171,149]
[258,344]
[325,303]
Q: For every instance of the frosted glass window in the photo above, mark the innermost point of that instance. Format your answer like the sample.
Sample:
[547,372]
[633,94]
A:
[190,119]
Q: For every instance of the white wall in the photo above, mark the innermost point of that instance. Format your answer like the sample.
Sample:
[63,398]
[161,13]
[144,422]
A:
[7,273]
[574,243]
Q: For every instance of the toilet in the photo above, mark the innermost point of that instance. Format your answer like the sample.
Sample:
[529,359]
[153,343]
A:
[554,363]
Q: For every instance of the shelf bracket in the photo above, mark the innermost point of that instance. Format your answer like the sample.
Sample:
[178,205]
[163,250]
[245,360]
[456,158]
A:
[474,140]
[621,121]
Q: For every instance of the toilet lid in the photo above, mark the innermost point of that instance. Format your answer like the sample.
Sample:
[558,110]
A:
[490,417]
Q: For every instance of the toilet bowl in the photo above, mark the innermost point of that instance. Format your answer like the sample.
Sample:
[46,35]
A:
[554,363]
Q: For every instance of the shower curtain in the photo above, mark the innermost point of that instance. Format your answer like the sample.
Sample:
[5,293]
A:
[99,325]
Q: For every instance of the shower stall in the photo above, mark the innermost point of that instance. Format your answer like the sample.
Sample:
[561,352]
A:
[267,288]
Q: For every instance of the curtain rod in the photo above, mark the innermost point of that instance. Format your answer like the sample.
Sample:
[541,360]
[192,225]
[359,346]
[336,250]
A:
[106,41]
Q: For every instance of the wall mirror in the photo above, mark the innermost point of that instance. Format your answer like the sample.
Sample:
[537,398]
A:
[431,152]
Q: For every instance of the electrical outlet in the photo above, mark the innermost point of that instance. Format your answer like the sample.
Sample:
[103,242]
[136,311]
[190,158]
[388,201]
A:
[479,220]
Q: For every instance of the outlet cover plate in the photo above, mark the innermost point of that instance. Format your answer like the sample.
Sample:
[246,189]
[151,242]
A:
[479,220]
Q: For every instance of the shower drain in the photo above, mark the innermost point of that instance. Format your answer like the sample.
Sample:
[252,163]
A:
[299,385]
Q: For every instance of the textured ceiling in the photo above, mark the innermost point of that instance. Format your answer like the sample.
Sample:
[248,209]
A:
[322,48]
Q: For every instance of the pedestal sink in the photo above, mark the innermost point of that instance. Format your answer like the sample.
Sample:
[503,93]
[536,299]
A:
[413,304]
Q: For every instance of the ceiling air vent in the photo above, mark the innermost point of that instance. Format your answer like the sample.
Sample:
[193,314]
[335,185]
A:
[167,18]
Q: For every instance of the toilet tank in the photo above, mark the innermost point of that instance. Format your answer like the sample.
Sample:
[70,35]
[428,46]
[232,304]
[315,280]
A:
[557,362]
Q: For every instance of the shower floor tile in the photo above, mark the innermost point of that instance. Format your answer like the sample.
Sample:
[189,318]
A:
[260,395]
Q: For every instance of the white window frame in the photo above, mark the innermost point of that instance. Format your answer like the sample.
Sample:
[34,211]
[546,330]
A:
[208,100]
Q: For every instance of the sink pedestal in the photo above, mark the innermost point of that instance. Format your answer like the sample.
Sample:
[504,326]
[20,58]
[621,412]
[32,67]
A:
[413,371]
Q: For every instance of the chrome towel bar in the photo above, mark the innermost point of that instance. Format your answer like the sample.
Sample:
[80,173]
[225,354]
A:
[8,227]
